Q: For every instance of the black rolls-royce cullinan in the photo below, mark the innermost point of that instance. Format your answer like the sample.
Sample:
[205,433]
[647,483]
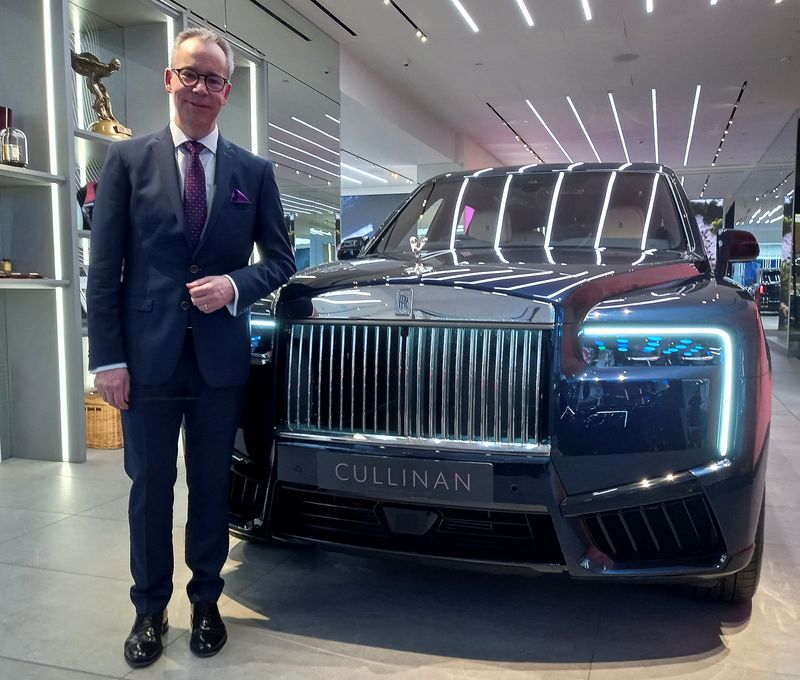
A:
[534,367]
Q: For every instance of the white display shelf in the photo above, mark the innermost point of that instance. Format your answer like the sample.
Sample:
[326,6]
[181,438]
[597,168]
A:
[32,284]
[12,176]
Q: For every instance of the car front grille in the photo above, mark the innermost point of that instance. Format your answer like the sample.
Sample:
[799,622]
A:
[444,383]
[461,533]
[678,529]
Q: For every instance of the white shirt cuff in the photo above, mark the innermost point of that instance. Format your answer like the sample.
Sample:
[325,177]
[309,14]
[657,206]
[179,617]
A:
[233,305]
[107,367]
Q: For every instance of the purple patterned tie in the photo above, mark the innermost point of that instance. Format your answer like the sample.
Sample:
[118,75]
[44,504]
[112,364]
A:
[194,193]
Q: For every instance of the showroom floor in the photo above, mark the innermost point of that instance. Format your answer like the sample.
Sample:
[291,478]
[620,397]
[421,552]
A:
[302,613]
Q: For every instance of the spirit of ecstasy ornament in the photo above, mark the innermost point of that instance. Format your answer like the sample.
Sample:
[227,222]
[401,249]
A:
[416,250]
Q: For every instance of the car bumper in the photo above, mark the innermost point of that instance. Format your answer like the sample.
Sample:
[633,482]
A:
[507,510]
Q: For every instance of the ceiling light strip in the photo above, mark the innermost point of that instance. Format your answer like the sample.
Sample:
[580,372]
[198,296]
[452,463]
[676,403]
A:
[394,173]
[587,11]
[297,160]
[307,153]
[691,125]
[705,186]
[465,15]
[301,199]
[648,6]
[517,136]
[655,121]
[526,14]
[330,117]
[419,32]
[305,139]
[728,126]
[334,18]
[309,125]
[549,131]
[583,127]
[304,172]
[366,174]
[777,187]
[619,127]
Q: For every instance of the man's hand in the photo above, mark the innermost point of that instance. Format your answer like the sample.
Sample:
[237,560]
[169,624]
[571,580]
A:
[211,293]
[114,386]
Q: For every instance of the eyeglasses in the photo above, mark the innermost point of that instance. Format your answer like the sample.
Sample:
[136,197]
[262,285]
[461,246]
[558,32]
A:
[190,78]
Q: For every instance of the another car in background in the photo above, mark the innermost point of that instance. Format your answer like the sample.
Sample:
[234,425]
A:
[766,291]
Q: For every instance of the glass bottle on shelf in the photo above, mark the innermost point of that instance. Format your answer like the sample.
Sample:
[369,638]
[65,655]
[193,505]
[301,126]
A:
[13,142]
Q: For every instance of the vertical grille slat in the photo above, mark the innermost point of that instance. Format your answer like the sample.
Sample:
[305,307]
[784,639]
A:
[423,382]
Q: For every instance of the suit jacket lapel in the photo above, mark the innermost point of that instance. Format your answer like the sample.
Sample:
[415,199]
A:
[164,153]
[222,180]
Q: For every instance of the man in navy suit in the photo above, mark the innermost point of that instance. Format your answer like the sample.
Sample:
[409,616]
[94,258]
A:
[175,220]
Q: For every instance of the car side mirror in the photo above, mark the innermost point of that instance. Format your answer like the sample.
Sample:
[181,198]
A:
[734,245]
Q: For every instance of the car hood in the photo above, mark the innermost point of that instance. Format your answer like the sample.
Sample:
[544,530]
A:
[571,279]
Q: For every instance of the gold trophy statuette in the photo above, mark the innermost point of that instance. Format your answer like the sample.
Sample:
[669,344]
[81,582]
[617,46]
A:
[88,65]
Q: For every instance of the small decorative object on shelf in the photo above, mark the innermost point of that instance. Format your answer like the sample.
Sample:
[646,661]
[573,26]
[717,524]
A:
[86,196]
[13,142]
[5,276]
[88,65]
[6,267]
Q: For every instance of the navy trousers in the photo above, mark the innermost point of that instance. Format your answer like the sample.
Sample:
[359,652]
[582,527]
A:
[151,428]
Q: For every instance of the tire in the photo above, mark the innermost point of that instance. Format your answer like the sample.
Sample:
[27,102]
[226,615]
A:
[741,586]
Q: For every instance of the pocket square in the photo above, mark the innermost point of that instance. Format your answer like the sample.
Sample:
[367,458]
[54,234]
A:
[238,197]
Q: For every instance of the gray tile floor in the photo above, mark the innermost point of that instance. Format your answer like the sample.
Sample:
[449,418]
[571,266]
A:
[302,613]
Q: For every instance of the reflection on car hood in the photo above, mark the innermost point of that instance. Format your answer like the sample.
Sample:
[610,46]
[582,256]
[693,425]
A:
[576,278]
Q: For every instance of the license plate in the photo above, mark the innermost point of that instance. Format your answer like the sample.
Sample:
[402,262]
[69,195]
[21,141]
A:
[406,478]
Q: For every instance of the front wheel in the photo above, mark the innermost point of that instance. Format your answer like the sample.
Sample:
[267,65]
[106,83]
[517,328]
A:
[741,586]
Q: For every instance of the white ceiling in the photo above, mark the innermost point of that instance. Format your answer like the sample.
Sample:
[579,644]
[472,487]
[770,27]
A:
[683,43]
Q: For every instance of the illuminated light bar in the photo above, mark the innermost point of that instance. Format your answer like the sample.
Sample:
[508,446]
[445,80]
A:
[648,5]
[713,2]
[366,174]
[456,213]
[335,120]
[501,212]
[725,417]
[465,15]
[655,122]
[549,131]
[316,129]
[481,171]
[583,127]
[307,153]
[262,323]
[525,12]
[305,139]
[587,11]
[649,212]
[691,125]
[619,127]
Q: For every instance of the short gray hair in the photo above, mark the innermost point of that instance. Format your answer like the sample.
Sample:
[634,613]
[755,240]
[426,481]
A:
[206,35]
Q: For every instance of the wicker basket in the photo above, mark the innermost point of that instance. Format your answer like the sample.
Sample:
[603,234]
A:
[103,423]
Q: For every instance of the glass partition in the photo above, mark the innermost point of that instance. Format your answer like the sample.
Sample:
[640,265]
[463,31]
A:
[303,143]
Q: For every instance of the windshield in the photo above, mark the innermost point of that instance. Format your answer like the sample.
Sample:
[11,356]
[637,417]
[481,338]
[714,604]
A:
[556,209]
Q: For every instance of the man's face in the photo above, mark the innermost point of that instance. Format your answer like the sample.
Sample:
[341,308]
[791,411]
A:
[196,109]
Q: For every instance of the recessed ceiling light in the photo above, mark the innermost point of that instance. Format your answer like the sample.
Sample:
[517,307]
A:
[525,13]
[463,12]
[549,131]
[583,127]
[691,126]
[587,11]
[619,127]
[713,2]
[648,5]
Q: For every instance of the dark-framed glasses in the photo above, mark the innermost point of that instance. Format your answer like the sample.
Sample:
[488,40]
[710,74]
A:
[190,77]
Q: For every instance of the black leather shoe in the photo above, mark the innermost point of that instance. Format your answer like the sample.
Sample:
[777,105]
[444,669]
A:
[208,630]
[143,645]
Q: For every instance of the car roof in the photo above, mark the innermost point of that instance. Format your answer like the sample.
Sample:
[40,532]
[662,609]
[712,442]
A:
[534,168]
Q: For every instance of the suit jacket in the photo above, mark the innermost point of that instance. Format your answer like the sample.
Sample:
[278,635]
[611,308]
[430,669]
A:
[139,306]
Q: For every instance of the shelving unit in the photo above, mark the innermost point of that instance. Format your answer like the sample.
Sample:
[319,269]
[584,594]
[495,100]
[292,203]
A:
[33,284]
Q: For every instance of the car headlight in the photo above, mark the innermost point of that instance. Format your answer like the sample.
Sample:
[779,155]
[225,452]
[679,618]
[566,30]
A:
[623,352]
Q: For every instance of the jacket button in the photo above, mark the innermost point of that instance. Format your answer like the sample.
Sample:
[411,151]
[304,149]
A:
[194,269]
[185,305]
